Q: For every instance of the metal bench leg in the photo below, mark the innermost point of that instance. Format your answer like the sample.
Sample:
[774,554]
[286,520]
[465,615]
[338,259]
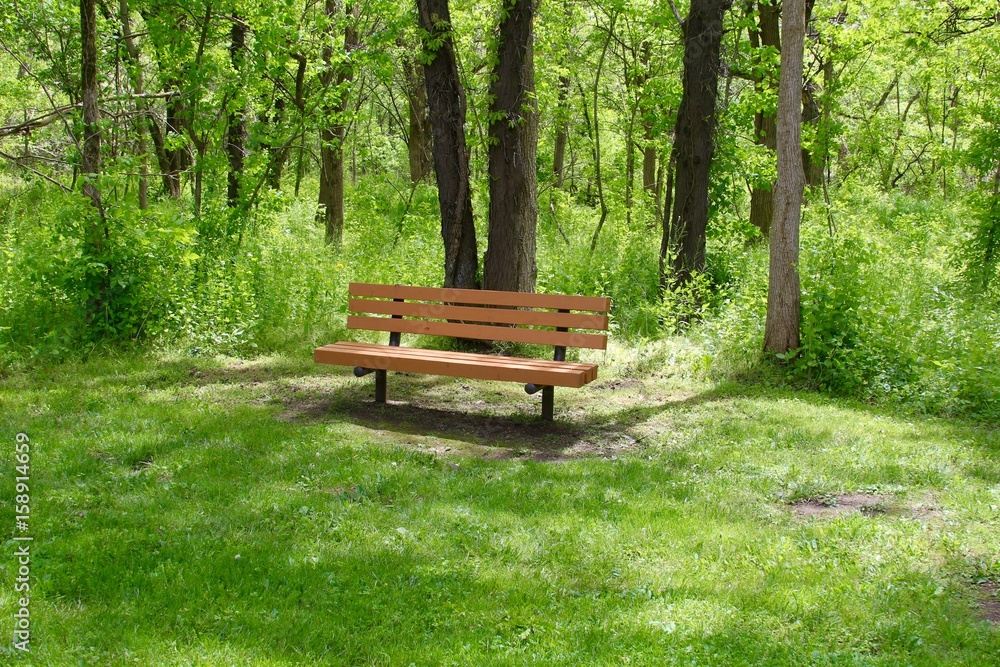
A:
[380,386]
[548,400]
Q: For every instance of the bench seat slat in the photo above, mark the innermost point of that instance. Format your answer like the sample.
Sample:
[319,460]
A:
[483,297]
[519,362]
[457,364]
[478,314]
[479,332]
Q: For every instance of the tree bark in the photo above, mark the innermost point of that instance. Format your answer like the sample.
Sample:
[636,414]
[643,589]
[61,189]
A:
[562,132]
[781,331]
[178,158]
[278,154]
[510,256]
[648,149]
[446,99]
[331,181]
[90,158]
[236,130]
[648,159]
[685,235]
[765,129]
[135,74]
[419,146]
[596,138]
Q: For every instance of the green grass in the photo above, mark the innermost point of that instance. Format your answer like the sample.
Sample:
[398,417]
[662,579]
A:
[213,511]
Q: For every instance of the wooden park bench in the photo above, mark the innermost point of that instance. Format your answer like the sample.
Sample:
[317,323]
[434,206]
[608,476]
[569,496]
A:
[544,319]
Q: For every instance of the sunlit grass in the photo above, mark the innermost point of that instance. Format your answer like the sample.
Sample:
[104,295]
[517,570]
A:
[215,511]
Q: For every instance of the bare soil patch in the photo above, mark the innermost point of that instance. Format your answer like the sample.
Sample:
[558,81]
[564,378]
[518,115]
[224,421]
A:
[990,606]
[837,505]
[618,383]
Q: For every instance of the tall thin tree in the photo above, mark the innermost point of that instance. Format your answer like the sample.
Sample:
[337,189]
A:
[236,122]
[781,330]
[90,158]
[334,79]
[765,35]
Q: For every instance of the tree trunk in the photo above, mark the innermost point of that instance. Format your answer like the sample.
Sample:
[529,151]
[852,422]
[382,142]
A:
[510,256]
[279,154]
[419,145]
[90,158]
[177,156]
[811,169]
[596,138]
[236,123]
[765,129]
[685,235]
[331,181]
[562,132]
[648,159]
[446,100]
[135,74]
[666,243]
[648,149]
[781,331]
[629,165]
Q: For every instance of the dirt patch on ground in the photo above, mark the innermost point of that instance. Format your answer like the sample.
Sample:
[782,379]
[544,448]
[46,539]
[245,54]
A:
[990,606]
[619,383]
[837,505]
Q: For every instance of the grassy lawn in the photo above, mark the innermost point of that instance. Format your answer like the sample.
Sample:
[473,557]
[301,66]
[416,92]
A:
[214,512]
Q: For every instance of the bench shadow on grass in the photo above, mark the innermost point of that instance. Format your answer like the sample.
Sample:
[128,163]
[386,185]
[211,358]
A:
[500,429]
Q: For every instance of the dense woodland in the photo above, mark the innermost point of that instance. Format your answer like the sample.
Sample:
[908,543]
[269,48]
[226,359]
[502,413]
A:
[210,174]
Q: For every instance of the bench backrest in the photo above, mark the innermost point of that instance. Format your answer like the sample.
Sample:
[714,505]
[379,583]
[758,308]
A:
[520,317]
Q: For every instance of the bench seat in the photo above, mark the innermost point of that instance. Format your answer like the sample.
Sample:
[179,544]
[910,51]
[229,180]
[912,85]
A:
[457,364]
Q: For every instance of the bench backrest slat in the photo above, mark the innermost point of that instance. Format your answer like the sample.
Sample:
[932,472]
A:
[434,311]
[479,331]
[481,314]
[596,304]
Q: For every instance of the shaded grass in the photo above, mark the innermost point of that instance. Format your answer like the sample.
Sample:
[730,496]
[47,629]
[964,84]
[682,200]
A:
[216,511]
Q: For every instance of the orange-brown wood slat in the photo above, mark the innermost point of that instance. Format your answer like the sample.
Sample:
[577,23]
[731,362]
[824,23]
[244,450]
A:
[479,331]
[483,297]
[456,367]
[473,314]
[513,362]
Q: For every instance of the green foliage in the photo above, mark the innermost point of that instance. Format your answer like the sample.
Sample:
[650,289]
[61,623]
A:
[884,315]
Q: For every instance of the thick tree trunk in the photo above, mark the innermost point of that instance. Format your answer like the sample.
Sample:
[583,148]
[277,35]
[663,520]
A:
[446,100]
[781,331]
[765,129]
[236,130]
[685,235]
[331,181]
[90,158]
[419,146]
[510,256]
